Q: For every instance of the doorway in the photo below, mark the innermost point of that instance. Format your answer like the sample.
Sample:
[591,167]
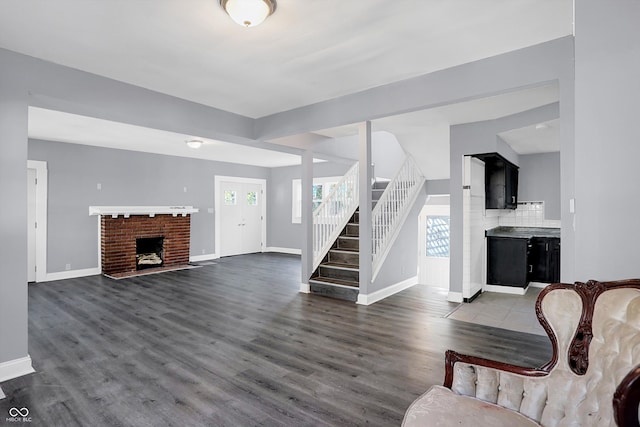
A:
[37,221]
[240,215]
[433,263]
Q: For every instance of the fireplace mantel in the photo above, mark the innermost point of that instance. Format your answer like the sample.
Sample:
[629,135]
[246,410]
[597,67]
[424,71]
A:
[126,211]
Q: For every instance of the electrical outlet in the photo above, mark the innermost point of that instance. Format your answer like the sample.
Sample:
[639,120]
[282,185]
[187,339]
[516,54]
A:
[203,252]
[99,186]
[185,189]
[67,267]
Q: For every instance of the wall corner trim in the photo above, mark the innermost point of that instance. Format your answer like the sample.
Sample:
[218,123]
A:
[292,251]
[305,288]
[454,297]
[15,368]
[381,294]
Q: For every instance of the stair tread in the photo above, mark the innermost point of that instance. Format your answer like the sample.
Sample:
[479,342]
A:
[347,250]
[334,281]
[348,236]
[340,265]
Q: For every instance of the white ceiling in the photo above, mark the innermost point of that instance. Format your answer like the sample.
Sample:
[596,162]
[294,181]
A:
[308,51]
[51,125]
[538,138]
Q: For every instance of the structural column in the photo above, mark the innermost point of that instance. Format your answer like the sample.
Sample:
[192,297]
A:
[364,158]
[307,220]
[14,358]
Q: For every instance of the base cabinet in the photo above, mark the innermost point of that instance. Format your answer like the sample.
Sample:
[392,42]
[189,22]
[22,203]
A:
[545,260]
[507,261]
[518,261]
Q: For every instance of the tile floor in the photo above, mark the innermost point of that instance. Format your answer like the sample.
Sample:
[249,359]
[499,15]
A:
[513,312]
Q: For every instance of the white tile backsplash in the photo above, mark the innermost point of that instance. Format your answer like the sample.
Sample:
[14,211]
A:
[528,214]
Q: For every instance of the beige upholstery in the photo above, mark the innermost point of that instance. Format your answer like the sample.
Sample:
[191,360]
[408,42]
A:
[561,398]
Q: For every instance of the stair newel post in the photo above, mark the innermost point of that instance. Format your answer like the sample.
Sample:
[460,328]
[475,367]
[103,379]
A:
[307,220]
[366,229]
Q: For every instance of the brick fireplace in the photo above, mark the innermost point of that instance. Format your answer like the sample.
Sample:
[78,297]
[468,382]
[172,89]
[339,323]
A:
[123,228]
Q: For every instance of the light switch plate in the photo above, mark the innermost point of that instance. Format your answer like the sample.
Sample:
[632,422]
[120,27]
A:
[572,205]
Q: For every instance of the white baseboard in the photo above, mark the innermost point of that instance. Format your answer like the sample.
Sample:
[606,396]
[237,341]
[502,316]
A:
[454,296]
[305,288]
[538,285]
[205,257]
[291,251]
[505,289]
[386,292]
[72,274]
[15,368]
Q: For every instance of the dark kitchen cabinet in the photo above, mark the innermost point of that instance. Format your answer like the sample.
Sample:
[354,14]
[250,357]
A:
[545,260]
[500,181]
[507,261]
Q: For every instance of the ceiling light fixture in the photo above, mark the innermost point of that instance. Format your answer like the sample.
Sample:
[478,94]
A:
[248,13]
[194,143]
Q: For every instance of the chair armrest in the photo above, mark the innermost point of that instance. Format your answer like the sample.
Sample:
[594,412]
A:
[452,357]
[627,398]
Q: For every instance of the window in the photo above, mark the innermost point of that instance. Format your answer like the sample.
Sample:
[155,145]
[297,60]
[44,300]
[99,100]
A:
[322,187]
[252,198]
[229,197]
[438,236]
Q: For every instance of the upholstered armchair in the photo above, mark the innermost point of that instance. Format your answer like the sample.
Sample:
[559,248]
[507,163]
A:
[592,378]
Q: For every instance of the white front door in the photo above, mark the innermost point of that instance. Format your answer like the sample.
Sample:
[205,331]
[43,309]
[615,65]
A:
[434,242]
[240,210]
[31,227]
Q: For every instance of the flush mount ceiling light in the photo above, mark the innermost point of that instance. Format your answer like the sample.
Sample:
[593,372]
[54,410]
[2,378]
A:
[249,13]
[194,143]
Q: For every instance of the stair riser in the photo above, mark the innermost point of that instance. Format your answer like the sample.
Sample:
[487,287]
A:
[355,218]
[352,230]
[334,292]
[337,273]
[344,258]
[348,243]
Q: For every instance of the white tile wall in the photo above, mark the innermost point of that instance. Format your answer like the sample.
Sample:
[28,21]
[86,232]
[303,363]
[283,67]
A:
[528,214]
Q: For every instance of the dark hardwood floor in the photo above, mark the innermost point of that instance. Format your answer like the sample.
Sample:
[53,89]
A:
[236,344]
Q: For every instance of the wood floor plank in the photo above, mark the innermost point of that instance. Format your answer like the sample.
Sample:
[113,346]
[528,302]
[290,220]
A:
[235,344]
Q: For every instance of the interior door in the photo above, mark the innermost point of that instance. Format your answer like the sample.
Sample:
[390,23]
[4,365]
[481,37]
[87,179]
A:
[434,242]
[31,221]
[240,218]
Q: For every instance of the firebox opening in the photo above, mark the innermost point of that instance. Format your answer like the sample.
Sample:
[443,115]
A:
[149,252]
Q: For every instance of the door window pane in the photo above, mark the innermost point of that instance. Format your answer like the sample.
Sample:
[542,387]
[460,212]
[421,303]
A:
[252,198]
[229,197]
[438,236]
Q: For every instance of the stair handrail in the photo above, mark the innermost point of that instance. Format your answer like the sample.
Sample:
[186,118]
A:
[392,210]
[333,214]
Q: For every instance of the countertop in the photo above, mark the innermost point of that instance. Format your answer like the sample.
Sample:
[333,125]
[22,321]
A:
[523,232]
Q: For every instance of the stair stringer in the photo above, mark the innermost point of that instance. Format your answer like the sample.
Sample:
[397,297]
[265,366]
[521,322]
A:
[396,232]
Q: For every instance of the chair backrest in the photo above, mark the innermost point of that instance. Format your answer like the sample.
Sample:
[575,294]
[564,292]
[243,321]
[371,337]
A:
[595,331]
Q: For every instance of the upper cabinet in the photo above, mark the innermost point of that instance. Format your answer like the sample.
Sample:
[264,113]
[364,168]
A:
[500,181]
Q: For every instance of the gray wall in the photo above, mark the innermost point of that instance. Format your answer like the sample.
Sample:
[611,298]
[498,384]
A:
[13,223]
[476,138]
[437,186]
[539,180]
[402,261]
[607,135]
[281,232]
[128,178]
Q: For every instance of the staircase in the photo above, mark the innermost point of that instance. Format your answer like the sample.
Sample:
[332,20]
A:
[338,275]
